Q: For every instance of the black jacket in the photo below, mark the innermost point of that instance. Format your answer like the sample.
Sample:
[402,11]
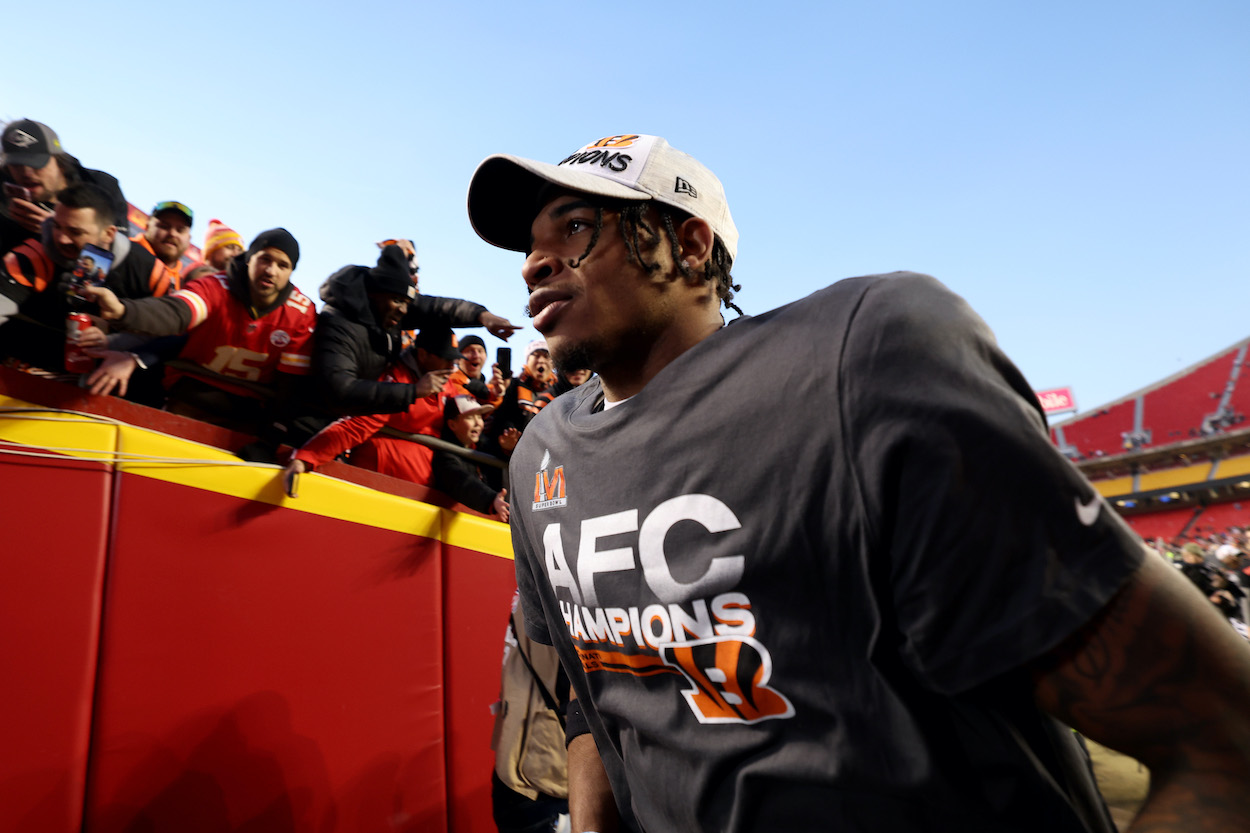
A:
[12,234]
[352,350]
[459,478]
[38,335]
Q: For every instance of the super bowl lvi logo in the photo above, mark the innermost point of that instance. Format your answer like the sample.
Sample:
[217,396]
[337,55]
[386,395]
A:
[548,487]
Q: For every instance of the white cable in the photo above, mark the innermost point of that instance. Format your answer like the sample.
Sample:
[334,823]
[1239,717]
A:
[99,455]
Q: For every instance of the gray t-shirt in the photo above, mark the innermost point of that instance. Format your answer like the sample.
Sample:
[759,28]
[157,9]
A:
[791,577]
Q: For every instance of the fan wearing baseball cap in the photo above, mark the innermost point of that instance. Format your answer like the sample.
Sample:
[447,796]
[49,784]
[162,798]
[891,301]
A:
[33,169]
[167,237]
[874,612]
[461,476]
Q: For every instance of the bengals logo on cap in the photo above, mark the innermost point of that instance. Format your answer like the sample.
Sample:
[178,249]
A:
[622,141]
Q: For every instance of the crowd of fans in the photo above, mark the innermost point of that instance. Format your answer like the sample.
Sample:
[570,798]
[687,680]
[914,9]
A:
[231,341]
[1218,564]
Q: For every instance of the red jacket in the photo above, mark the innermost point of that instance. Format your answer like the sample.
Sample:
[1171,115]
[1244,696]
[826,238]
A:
[386,455]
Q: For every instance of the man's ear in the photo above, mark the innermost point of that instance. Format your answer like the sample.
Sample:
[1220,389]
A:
[694,242]
[110,234]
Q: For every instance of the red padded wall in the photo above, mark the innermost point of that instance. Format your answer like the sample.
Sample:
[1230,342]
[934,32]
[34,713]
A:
[54,541]
[478,598]
[266,669]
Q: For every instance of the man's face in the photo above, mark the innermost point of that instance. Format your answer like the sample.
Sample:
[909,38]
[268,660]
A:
[388,308]
[170,234]
[222,256]
[474,360]
[576,377]
[43,182]
[268,273]
[467,428]
[596,313]
[73,228]
[539,365]
[430,362]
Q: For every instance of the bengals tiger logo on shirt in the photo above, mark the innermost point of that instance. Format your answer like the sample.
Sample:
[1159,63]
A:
[729,676]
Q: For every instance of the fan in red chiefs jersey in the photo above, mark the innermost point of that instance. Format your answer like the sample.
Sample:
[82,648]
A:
[249,331]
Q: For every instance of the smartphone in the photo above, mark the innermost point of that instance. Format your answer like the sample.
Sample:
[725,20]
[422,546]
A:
[503,358]
[93,265]
[15,191]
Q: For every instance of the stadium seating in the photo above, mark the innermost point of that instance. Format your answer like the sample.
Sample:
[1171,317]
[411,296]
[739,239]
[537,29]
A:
[1174,412]
[1098,433]
[1221,516]
[1167,524]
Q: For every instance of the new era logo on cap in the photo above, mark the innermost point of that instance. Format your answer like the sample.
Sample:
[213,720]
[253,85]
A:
[683,187]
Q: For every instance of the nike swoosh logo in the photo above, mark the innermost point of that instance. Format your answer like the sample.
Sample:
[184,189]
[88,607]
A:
[1087,512]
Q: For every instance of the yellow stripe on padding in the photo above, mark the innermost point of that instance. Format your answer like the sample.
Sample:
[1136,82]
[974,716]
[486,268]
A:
[318,495]
[49,428]
[188,463]
[479,534]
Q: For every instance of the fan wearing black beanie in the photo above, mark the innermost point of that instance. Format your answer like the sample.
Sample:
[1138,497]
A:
[360,332]
[249,332]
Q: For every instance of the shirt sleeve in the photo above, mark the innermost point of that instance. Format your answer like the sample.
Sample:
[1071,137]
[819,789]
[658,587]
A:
[201,296]
[173,314]
[997,547]
[432,310]
[339,436]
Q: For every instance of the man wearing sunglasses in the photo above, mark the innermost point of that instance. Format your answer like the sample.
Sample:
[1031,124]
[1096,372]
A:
[167,237]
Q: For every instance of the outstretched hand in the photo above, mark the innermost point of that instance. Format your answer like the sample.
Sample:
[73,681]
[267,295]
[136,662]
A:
[93,338]
[290,477]
[500,506]
[497,325]
[432,382]
[508,439]
[114,372]
[111,308]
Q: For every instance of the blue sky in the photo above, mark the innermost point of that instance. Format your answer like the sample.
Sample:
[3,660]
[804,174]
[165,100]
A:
[1078,171]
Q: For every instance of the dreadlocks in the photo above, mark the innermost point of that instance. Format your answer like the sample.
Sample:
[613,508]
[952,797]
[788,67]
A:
[640,238]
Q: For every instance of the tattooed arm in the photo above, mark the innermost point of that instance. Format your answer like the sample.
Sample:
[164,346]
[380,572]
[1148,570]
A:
[1159,676]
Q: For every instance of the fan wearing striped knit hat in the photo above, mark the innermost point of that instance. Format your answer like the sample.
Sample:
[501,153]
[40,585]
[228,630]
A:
[221,243]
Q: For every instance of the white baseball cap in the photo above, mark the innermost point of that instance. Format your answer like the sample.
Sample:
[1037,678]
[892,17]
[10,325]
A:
[503,194]
[533,347]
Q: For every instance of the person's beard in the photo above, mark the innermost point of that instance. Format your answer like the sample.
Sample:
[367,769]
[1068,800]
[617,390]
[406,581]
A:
[572,357]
